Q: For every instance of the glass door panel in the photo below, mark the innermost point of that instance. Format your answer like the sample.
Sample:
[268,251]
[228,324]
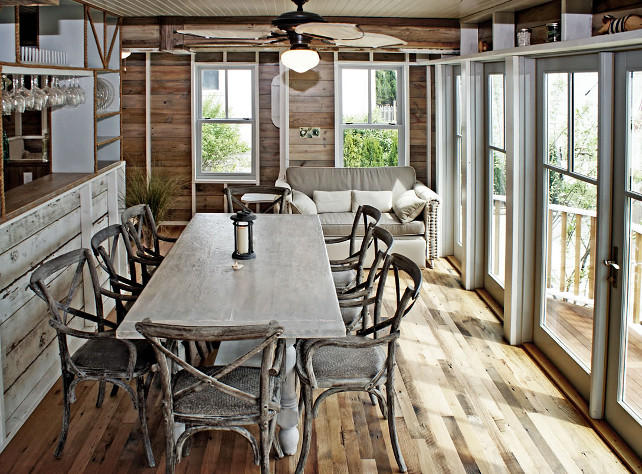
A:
[570,236]
[458,156]
[568,220]
[495,199]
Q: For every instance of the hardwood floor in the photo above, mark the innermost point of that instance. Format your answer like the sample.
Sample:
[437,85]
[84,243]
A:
[468,402]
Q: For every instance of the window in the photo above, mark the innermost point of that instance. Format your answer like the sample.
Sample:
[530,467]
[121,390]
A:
[370,118]
[225,122]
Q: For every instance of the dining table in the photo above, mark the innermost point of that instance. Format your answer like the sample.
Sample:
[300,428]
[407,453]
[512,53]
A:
[289,281]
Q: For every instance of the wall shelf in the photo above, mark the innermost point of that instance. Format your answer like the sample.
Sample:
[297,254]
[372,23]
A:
[102,141]
[628,39]
[107,114]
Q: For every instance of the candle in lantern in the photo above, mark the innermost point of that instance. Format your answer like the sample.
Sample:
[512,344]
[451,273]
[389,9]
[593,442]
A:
[242,239]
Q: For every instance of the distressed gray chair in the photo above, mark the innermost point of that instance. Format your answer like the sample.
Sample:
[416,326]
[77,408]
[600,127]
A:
[105,244]
[355,301]
[349,271]
[275,197]
[362,362]
[99,356]
[219,397]
[141,226]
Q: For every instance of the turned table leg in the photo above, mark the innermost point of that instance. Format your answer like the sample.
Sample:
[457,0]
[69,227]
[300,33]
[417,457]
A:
[288,419]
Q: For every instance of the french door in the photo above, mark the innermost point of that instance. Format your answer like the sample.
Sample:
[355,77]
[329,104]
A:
[495,181]
[567,93]
[588,320]
[623,402]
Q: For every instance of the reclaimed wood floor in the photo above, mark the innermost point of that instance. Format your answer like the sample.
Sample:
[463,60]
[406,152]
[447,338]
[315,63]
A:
[468,402]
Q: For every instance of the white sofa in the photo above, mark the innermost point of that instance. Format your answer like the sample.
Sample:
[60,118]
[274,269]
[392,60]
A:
[416,238]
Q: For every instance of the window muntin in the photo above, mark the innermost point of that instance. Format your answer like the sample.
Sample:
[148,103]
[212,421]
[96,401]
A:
[225,123]
[371,115]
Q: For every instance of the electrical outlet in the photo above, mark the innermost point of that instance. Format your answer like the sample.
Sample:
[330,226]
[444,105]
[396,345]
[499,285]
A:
[309,132]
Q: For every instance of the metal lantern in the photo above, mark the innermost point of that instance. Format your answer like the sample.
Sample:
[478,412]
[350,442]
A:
[243,239]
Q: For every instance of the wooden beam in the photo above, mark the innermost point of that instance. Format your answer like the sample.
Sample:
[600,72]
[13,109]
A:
[169,40]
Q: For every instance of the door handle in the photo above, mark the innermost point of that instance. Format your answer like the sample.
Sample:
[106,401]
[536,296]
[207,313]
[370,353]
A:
[614,268]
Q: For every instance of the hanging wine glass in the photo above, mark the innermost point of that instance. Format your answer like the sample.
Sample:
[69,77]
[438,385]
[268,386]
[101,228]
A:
[7,101]
[57,92]
[39,97]
[80,91]
[26,93]
[19,103]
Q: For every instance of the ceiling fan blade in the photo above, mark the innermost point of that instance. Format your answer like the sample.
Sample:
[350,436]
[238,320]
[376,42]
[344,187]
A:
[240,33]
[336,31]
[372,40]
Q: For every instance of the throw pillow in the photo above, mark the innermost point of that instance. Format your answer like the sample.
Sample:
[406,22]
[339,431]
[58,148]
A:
[408,206]
[302,203]
[382,200]
[332,201]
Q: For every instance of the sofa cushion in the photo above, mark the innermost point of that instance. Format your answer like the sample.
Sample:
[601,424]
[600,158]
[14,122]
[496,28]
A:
[302,204]
[408,206]
[397,179]
[332,201]
[340,223]
[382,200]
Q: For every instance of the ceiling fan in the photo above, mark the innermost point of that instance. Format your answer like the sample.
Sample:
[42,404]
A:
[299,28]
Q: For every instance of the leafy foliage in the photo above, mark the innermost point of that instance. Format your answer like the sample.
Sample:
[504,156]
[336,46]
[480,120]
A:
[158,193]
[224,150]
[386,87]
[370,148]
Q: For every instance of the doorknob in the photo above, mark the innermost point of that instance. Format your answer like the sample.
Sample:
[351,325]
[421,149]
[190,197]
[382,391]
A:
[613,268]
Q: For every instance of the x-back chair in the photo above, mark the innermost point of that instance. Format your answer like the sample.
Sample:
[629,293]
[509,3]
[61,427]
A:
[362,362]
[101,357]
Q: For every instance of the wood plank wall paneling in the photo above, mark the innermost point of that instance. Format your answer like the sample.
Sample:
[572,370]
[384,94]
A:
[269,148]
[30,362]
[433,149]
[133,104]
[171,126]
[418,120]
[312,105]
[603,6]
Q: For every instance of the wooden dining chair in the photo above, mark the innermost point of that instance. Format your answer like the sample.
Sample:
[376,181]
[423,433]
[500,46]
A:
[106,244]
[362,362]
[97,354]
[355,301]
[227,397]
[141,227]
[348,271]
[275,198]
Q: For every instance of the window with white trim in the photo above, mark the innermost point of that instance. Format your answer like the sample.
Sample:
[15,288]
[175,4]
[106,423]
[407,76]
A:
[225,122]
[370,116]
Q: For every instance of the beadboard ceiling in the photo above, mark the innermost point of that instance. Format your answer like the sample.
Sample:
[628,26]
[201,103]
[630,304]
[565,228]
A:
[468,10]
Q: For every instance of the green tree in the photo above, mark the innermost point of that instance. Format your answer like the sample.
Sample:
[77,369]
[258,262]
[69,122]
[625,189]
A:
[386,87]
[224,150]
[369,148]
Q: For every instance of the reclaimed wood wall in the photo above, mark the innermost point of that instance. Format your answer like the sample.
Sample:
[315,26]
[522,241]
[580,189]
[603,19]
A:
[311,101]
[30,360]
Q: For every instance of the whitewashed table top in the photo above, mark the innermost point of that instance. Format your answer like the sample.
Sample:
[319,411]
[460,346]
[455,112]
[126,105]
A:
[289,280]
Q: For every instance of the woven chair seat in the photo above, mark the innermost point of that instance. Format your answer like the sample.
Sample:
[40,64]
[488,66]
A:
[213,402]
[111,355]
[343,278]
[342,363]
[350,314]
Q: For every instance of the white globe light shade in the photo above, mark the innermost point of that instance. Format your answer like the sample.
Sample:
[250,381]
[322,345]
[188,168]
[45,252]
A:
[300,60]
